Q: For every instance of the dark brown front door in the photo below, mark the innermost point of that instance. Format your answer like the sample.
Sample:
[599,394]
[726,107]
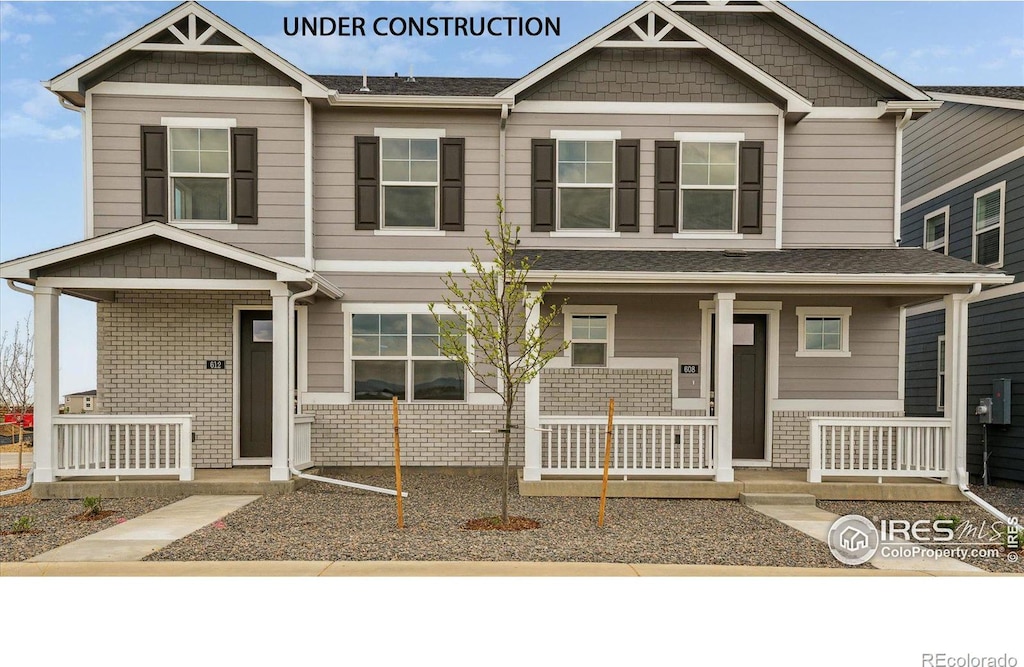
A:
[748,386]
[255,400]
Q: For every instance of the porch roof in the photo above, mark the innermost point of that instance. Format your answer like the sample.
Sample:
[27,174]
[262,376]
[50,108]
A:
[109,261]
[834,265]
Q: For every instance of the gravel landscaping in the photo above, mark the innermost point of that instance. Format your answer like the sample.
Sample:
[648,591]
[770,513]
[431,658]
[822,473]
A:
[1010,500]
[53,524]
[324,522]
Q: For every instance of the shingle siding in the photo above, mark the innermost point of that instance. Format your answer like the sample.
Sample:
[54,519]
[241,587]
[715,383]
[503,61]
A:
[221,69]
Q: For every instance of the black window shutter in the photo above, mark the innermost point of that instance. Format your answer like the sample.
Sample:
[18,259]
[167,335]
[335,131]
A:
[154,174]
[542,199]
[627,186]
[751,186]
[244,177]
[367,183]
[453,185]
[666,187]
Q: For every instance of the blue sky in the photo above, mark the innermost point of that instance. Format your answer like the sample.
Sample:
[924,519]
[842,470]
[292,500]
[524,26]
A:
[967,43]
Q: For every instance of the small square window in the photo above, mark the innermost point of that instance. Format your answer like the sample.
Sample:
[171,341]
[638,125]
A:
[589,331]
[935,231]
[824,332]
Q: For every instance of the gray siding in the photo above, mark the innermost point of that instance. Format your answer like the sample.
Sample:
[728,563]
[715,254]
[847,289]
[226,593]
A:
[954,140]
[794,59]
[961,217]
[117,168]
[647,75]
[921,391]
[223,69]
[839,183]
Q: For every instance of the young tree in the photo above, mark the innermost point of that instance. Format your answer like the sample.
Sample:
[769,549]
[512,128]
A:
[17,373]
[490,305]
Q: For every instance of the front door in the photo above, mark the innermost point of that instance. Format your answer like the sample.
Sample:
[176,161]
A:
[255,400]
[748,386]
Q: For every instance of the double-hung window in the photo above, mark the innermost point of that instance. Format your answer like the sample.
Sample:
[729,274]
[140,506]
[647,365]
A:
[989,217]
[398,354]
[590,331]
[708,178]
[824,332]
[936,231]
[586,183]
[940,401]
[409,182]
[200,172]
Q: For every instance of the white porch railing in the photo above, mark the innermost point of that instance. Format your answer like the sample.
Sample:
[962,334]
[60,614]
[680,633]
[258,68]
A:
[880,447]
[302,442]
[641,446]
[114,445]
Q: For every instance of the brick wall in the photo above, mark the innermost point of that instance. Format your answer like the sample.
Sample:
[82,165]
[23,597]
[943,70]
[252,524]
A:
[151,357]
[791,435]
[585,391]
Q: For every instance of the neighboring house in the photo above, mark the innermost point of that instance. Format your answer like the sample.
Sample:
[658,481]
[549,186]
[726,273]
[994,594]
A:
[712,187]
[80,403]
[963,196]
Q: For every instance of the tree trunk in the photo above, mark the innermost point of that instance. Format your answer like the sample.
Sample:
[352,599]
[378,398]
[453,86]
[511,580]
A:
[508,440]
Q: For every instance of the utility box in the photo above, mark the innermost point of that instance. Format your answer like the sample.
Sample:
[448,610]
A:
[1001,401]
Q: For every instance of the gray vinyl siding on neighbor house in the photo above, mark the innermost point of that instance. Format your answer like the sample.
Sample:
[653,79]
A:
[116,155]
[525,126]
[921,392]
[961,217]
[839,183]
[334,133]
[955,140]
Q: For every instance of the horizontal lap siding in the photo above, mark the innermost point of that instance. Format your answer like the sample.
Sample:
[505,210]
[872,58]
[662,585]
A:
[921,393]
[870,373]
[334,185]
[523,127]
[955,140]
[839,182]
[116,164]
[325,347]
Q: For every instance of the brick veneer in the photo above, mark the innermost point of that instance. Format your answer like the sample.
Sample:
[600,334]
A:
[585,391]
[791,435]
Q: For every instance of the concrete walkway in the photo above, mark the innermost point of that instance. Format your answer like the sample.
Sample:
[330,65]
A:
[135,539]
[816,522]
[436,569]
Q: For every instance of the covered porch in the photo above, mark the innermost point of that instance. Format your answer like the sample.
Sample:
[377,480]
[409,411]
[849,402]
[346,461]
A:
[172,308]
[727,366]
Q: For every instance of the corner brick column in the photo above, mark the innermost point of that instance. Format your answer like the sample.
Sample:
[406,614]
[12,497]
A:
[281,401]
[724,302]
[46,336]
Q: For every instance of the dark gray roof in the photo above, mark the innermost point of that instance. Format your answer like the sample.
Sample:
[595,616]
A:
[909,261]
[423,85]
[1003,92]
[91,392]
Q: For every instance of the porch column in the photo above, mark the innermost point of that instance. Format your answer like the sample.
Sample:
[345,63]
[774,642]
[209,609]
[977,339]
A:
[724,302]
[46,304]
[280,398]
[955,396]
[531,471]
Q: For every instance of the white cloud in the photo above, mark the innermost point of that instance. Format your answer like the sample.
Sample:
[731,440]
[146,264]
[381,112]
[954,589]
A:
[487,58]
[18,126]
[9,13]
[474,8]
[34,113]
[379,56]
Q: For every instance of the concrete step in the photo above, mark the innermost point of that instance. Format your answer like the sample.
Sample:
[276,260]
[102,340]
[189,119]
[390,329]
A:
[749,499]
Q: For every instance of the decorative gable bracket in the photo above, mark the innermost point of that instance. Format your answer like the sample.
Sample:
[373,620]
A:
[191,34]
[651,31]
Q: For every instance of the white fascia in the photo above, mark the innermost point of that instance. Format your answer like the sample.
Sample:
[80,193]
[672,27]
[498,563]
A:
[649,277]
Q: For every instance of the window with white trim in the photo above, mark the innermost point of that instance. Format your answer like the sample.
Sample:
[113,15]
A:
[989,219]
[823,332]
[409,182]
[397,354]
[200,173]
[941,374]
[708,176]
[590,331]
[586,184]
[936,231]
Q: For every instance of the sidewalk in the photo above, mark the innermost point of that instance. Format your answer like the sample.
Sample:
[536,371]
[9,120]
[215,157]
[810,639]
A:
[10,459]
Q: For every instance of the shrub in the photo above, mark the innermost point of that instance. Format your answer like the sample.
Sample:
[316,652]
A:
[22,525]
[93,505]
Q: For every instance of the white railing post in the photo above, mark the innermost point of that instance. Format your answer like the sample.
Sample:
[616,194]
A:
[46,337]
[723,384]
[187,473]
[814,471]
[532,436]
[955,399]
[281,400]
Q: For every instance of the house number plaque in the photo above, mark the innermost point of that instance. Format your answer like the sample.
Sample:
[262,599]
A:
[689,369]
[214,364]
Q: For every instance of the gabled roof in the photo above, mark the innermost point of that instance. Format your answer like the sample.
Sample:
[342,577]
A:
[1007,97]
[22,269]
[91,392]
[651,10]
[69,81]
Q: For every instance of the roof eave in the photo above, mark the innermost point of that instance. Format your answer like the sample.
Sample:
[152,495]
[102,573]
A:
[979,100]
[691,277]
[418,101]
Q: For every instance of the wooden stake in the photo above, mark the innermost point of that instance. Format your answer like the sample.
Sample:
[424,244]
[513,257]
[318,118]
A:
[607,460]
[398,462]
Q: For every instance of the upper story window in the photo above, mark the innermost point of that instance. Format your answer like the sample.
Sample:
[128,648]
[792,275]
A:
[824,332]
[989,219]
[409,170]
[586,172]
[590,331]
[200,173]
[708,177]
[936,231]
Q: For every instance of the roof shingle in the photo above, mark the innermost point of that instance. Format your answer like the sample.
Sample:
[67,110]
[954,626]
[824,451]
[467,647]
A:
[421,85]
[1002,92]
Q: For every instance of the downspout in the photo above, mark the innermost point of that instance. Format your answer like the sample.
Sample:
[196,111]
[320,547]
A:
[961,471]
[18,288]
[501,152]
[898,189]
[291,392]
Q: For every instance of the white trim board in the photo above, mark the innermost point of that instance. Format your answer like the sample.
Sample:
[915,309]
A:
[668,277]
[388,266]
[836,405]
[986,295]
[128,89]
[964,180]
[979,100]
[653,108]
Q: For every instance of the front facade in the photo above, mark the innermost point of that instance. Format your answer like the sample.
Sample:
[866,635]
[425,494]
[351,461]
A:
[963,193]
[80,403]
[711,189]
